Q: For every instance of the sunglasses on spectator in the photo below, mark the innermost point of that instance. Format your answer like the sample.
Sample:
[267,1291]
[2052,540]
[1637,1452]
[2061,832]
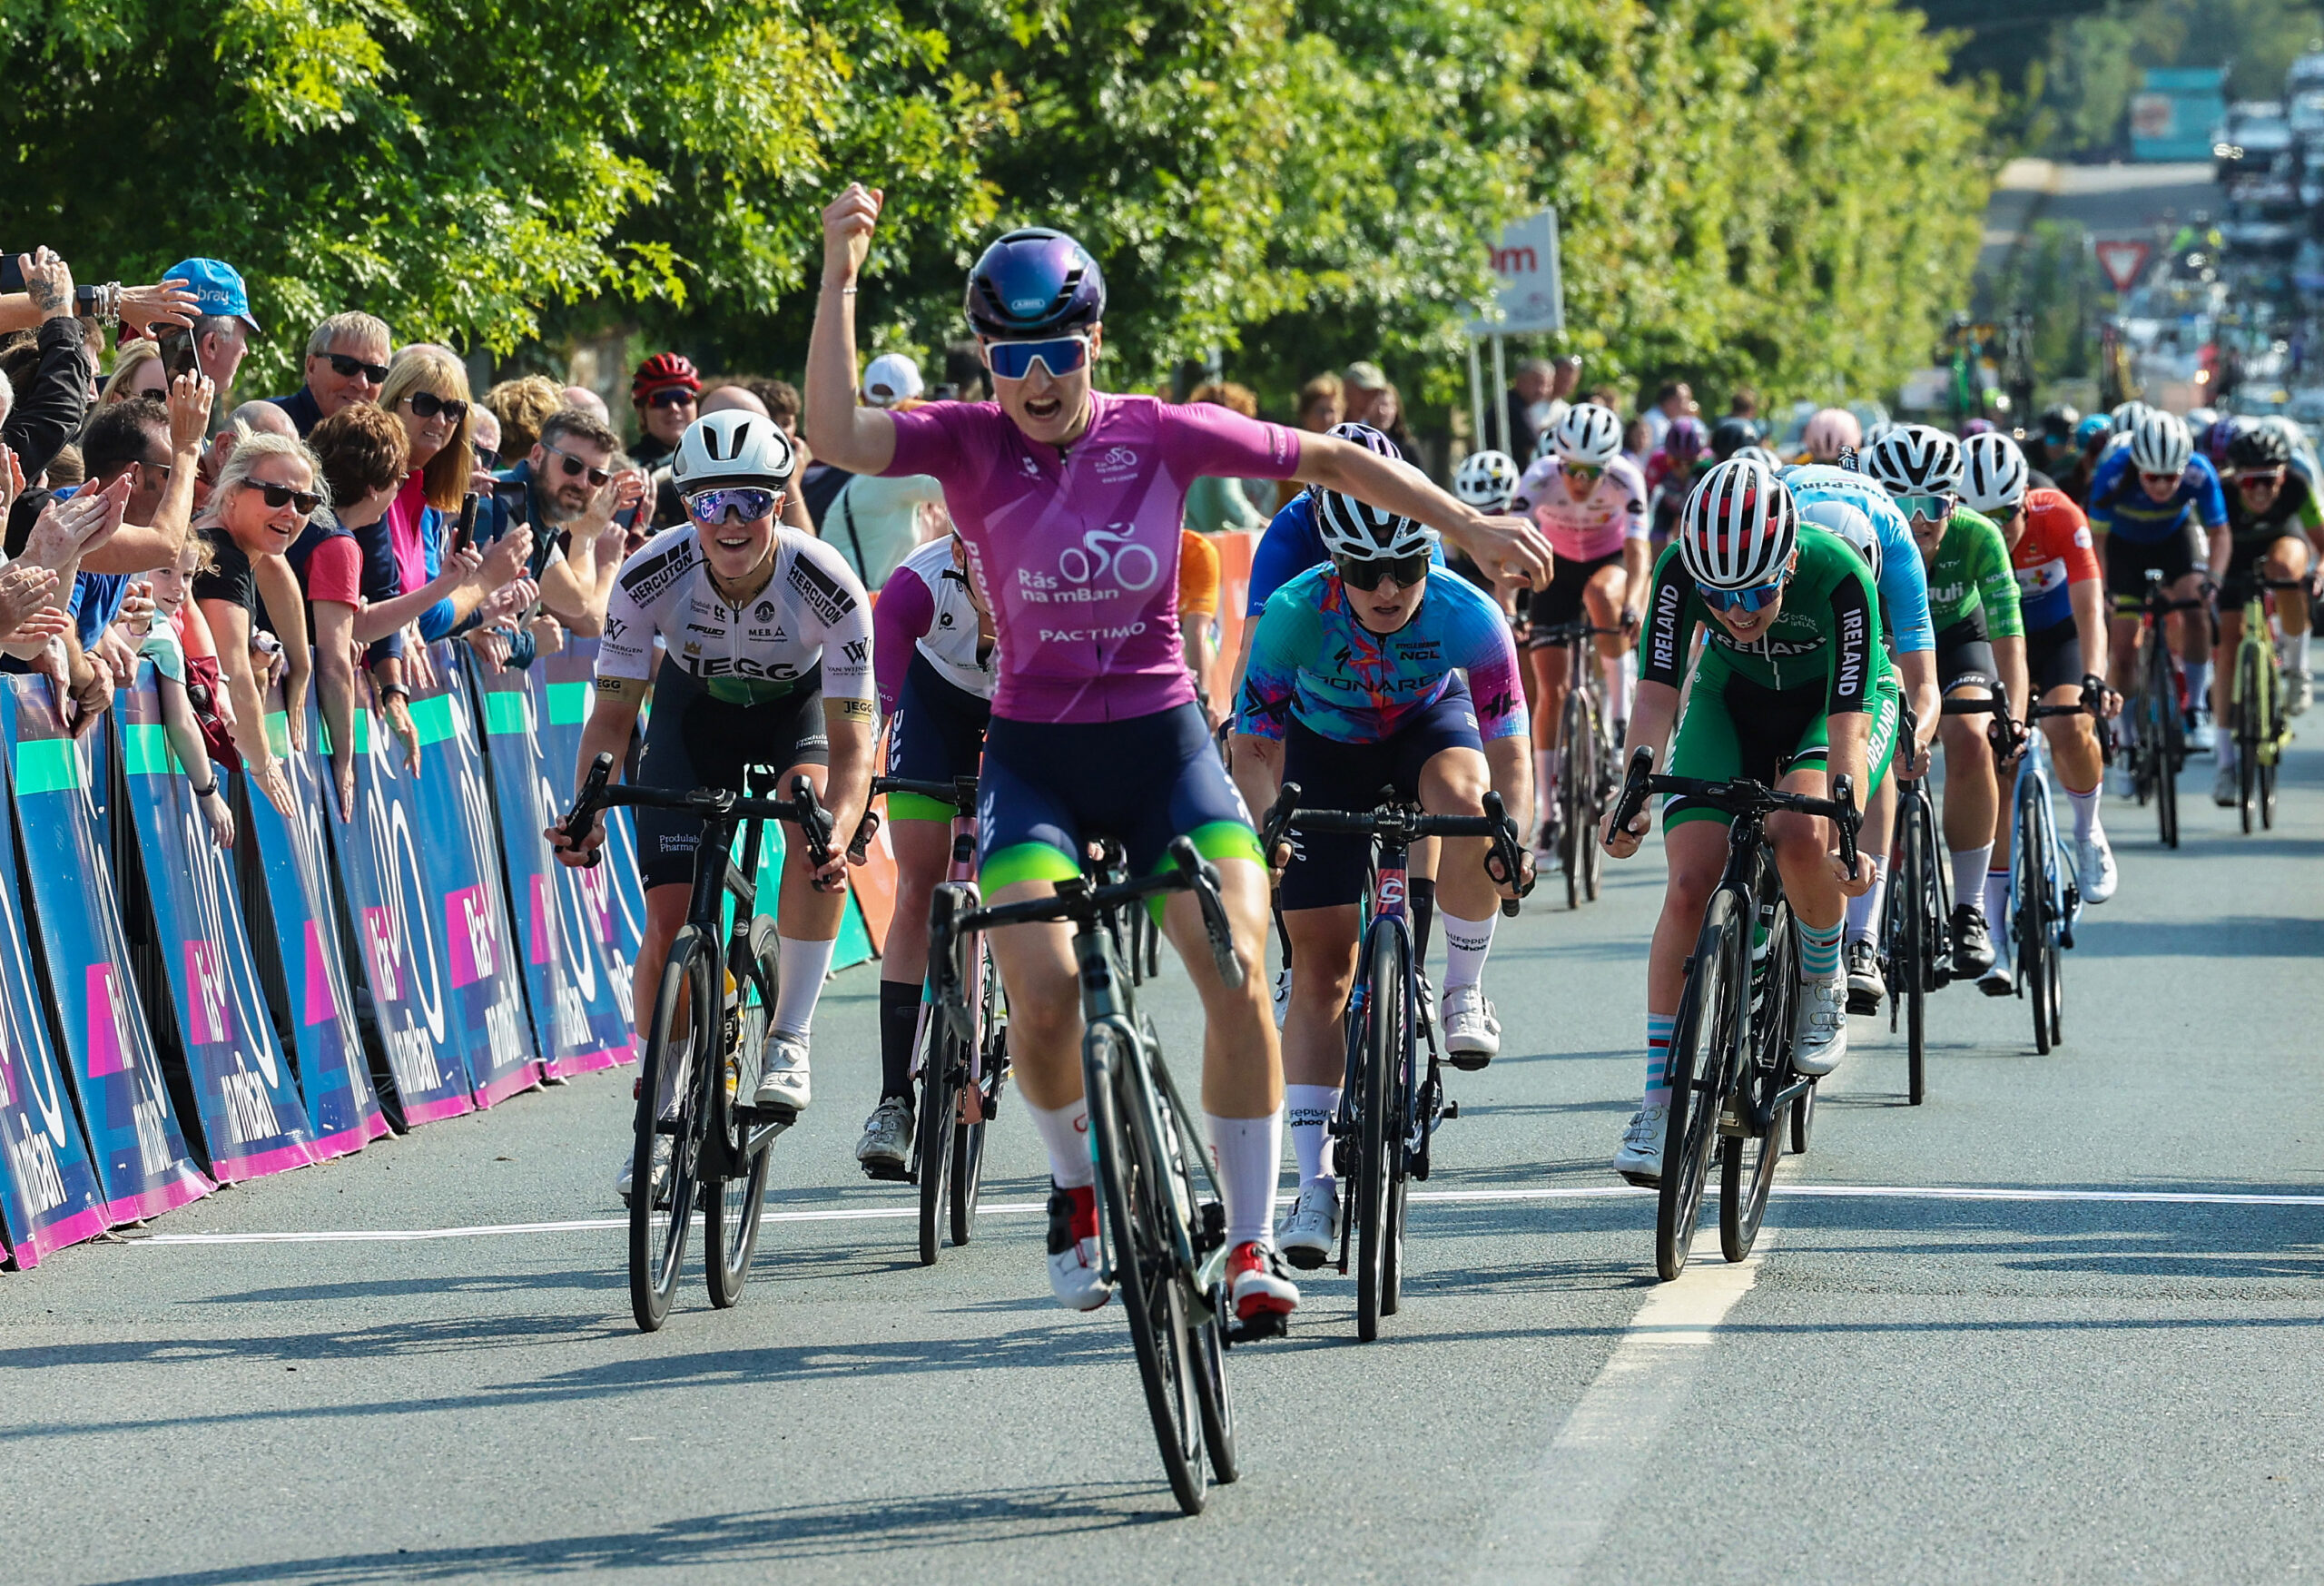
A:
[485,458]
[670,396]
[280,496]
[573,465]
[749,505]
[1373,571]
[1013,360]
[164,470]
[428,405]
[1927,508]
[1756,598]
[348,368]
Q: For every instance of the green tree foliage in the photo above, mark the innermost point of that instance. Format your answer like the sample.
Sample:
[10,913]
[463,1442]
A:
[2081,91]
[1769,190]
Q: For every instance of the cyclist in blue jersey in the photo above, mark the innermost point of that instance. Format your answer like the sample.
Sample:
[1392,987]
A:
[2154,504]
[1367,673]
[1859,509]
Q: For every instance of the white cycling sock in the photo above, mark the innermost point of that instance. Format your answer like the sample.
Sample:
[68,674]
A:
[1996,899]
[1308,1110]
[1466,943]
[2296,652]
[1545,783]
[2085,810]
[1615,670]
[2198,685]
[1865,912]
[1248,1154]
[1065,1131]
[803,966]
[1969,873]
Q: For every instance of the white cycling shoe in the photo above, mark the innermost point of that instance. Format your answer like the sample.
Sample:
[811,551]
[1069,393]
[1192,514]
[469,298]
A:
[625,1181]
[1640,1159]
[2225,791]
[1819,1039]
[1076,1277]
[2296,690]
[782,1084]
[1309,1233]
[886,1144]
[1472,1033]
[2096,872]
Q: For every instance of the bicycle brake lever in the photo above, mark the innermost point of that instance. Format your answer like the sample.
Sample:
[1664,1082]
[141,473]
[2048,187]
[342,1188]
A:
[1843,796]
[1203,877]
[584,808]
[859,848]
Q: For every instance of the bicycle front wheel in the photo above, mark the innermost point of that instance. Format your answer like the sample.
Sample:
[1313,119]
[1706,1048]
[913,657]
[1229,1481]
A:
[1139,1204]
[731,1208]
[2030,918]
[1924,912]
[1578,744]
[678,1054]
[942,1070]
[1703,1040]
[1748,1157]
[968,1140]
[1385,1033]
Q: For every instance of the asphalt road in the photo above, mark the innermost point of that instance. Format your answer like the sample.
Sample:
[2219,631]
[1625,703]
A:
[2041,1380]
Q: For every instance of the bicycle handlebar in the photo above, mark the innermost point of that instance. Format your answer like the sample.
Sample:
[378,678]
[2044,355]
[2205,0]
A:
[599,792]
[1738,796]
[1394,820]
[1079,902]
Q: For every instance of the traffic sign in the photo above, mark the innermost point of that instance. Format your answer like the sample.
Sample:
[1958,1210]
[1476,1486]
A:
[2125,260]
[1530,292]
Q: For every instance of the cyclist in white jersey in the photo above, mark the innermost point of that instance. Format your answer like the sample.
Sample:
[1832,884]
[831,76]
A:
[766,639]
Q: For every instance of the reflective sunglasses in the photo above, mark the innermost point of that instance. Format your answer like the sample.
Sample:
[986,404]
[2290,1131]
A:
[670,396]
[749,504]
[1013,360]
[1756,598]
[428,405]
[2261,480]
[573,465]
[2170,479]
[280,496]
[348,368]
[1928,508]
[1586,472]
[1373,571]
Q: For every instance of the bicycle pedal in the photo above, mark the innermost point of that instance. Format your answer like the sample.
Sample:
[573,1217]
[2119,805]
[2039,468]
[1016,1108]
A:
[1452,1109]
[1468,1062]
[888,1175]
[1265,1324]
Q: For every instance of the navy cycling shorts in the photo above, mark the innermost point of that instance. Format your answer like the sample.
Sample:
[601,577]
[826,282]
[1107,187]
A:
[937,736]
[1049,787]
[1327,869]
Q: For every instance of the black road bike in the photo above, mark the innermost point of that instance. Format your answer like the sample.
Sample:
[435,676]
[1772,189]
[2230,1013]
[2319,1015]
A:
[2158,730]
[1730,1073]
[1162,1224]
[1586,757]
[712,1023]
[1391,1099]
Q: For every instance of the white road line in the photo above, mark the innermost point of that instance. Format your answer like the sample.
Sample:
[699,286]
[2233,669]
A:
[1016,1209]
[1545,1529]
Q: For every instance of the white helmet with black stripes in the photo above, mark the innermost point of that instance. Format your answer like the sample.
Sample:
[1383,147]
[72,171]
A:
[2160,444]
[1993,474]
[1739,527]
[1363,533]
[1916,459]
[1588,434]
[1486,480]
[733,449]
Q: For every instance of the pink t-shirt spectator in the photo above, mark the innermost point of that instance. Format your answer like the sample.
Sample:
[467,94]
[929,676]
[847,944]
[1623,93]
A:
[1077,550]
[406,516]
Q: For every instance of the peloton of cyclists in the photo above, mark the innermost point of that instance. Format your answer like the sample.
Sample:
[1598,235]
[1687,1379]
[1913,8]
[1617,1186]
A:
[2153,504]
[2271,518]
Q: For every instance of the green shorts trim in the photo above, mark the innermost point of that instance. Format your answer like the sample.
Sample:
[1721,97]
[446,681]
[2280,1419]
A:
[1027,862]
[911,806]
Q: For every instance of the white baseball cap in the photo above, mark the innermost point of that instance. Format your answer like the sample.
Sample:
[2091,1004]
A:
[891,378]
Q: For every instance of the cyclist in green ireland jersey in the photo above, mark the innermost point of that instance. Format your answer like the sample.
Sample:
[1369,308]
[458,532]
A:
[1791,688]
[1973,601]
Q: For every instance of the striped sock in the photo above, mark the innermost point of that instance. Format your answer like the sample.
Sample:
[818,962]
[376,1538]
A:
[1658,1059]
[1819,949]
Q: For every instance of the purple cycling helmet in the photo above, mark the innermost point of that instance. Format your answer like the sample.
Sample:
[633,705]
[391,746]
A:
[1686,440]
[1035,281]
[1977,427]
[1370,439]
[2221,433]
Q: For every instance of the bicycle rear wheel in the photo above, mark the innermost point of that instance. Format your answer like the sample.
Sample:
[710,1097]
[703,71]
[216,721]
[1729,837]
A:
[1747,1160]
[730,1209]
[2169,744]
[968,1140]
[660,1217]
[1383,1039]
[2249,730]
[2029,922]
[1593,853]
[1131,1179]
[1803,1121]
[1578,746]
[940,1072]
[1702,1049]
[1922,908]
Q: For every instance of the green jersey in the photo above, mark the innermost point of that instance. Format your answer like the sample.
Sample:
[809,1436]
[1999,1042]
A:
[1972,574]
[1828,633]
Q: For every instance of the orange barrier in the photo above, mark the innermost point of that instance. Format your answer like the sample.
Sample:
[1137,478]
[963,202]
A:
[874,882]
[1235,549]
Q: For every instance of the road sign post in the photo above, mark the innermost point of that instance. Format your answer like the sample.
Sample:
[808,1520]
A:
[1529,297]
[2124,260]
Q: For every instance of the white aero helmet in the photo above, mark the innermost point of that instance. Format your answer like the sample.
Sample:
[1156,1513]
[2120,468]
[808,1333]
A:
[1739,528]
[1588,435]
[1365,533]
[1759,455]
[1829,432]
[2160,444]
[2125,415]
[1850,522]
[733,449]
[1916,459]
[1993,474]
[1486,480]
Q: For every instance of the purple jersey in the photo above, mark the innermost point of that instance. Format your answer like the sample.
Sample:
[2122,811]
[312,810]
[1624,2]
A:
[1077,551]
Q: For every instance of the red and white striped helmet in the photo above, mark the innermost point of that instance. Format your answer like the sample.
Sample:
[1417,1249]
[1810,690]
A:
[1739,528]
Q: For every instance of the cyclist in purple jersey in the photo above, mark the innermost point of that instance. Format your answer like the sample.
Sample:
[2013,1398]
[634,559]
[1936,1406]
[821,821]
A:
[1069,502]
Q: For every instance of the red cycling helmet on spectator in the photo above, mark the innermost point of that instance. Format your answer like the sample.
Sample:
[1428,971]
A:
[661,371]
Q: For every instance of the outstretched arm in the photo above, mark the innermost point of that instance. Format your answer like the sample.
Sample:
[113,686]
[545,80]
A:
[858,439]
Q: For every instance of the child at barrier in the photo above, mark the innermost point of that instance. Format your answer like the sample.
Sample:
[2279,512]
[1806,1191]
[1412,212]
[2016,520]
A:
[161,642]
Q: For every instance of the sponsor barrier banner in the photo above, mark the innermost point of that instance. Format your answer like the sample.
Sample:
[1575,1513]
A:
[389,907]
[462,860]
[599,922]
[143,1166]
[252,1119]
[48,1191]
[302,904]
